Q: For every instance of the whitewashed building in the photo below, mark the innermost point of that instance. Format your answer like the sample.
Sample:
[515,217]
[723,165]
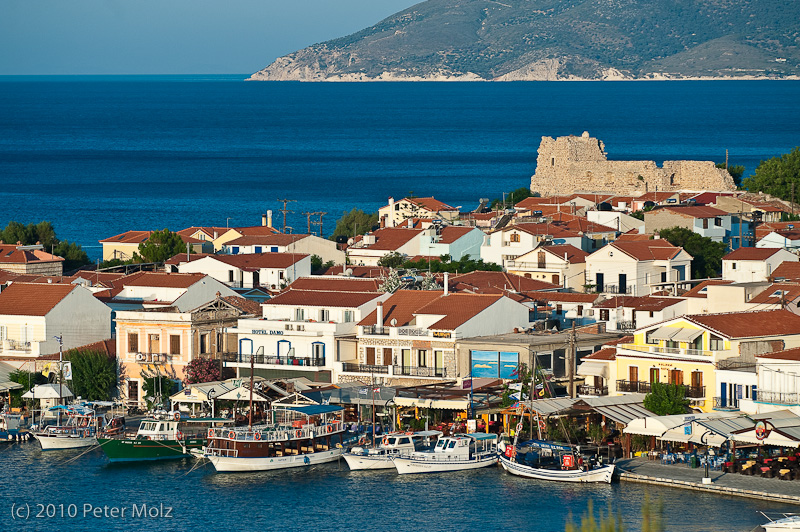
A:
[252,270]
[746,265]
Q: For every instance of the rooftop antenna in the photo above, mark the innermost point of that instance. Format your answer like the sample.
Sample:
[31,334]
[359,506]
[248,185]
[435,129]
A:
[284,210]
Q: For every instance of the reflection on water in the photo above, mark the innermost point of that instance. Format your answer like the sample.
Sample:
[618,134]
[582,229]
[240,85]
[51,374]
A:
[329,497]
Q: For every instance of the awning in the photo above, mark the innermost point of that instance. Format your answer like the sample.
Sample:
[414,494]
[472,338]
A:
[313,410]
[242,394]
[596,369]
[664,333]
[47,391]
[7,386]
[440,404]
[687,335]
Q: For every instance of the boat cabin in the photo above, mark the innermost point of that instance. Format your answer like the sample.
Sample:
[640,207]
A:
[466,446]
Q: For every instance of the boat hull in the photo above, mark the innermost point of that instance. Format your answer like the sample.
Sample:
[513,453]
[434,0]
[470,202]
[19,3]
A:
[129,450]
[409,465]
[600,474]
[65,441]
[228,464]
[356,462]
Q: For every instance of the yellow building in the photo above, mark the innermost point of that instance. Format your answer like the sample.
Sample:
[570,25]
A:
[687,351]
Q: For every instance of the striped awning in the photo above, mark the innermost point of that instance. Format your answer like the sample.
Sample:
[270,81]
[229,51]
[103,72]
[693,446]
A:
[687,335]
[664,333]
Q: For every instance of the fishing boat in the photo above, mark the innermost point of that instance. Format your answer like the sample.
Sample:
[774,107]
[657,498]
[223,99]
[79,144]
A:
[391,446]
[12,428]
[298,436]
[545,460]
[452,453]
[80,430]
[159,439]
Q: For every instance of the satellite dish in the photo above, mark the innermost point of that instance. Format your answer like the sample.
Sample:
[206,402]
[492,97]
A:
[350,242]
[348,272]
[393,322]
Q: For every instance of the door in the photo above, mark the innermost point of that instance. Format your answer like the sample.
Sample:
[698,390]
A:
[723,394]
[623,283]
[439,356]
[599,281]
[371,356]
[256,280]
[387,356]
[676,377]
[697,383]
[556,279]
[133,391]
[633,374]
[655,375]
[406,361]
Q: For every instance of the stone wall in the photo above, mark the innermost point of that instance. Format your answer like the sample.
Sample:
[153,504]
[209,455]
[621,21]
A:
[571,164]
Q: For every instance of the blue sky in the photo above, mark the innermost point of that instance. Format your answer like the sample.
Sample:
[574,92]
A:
[171,36]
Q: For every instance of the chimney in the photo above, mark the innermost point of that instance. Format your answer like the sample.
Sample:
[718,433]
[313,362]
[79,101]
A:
[216,235]
[379,313]
[391,212]
[269,218]
[446,283]
[383,221]
[264,220]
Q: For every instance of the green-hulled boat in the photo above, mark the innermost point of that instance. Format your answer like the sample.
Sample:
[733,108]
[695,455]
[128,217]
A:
[159,439]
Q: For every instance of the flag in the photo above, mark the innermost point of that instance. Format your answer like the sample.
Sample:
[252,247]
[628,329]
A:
[515,386]
[362,391]
[46,369]
[377,390]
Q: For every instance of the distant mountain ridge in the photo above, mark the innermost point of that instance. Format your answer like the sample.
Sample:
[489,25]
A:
[508,40]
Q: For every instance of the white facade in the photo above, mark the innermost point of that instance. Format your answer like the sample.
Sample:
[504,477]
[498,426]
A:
[510,242]
[545,265]
[309,245]
[430,244]
[735,390]
[747,271]
[368,251]
[234,276]
[776,240]
[618,220]
[625,319]
[778,386]
[613,271]
[79,319]
[185,299]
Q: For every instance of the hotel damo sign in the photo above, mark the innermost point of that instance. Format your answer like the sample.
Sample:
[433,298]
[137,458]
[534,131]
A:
[441,334]
[265,331]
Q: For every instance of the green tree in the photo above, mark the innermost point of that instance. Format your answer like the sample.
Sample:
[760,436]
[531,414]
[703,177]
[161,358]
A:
[706,254]
[74,255]
[45,234]
[28,380]
[392,260]
[736,171]
[94,374]
[161,246]
[512,198]
[354,223]
[777,176]
[317,264]
[159,388]
[666,399]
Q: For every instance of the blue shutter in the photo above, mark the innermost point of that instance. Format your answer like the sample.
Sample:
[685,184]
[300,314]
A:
[723,394]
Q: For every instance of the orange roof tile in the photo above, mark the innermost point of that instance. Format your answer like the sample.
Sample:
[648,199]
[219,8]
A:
[451,233]
[692,212]
[254,261]
[334,284]
[389,238]
[751,254]
[699,290]
[372,272]
[574,255]
[606,353]
[787,270]
[786,354]
[657,249]
[480,281]
[270,239]
[247,306]
[458,308]
[401,306]
[431,204]
[162,280]
[643,303]
[772,294]
[566,297]
[32,299]
[260,230]
[323,298]
[12,254]
[750,324]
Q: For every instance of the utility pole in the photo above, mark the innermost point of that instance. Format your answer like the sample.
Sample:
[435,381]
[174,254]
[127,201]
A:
[284,211]
[308,216]
[572,361]
[319,222]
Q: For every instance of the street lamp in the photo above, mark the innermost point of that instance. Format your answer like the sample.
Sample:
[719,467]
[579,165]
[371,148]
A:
[704,441]
[211,394]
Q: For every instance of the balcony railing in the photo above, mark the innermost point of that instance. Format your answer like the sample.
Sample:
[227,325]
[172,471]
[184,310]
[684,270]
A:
[626,325]
[282,361]
[695,392]
[779,398]
[351,367]
[652,348]
[633,386]
[408,331]
[725,403]
[613,289]
[592,390]
[16,345]
[377,330]
[415,371]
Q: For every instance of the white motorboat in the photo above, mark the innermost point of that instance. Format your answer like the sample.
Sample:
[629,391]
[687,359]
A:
[452,453]
[80,430]
[12,428]
[785,522]
[391,446]
[302,436]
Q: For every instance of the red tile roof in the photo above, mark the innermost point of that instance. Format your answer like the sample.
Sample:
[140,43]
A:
[574,255]
[763,229]
[788,270]
[482,281]
[12,254]
[209,231]
[137,237]
[431,204]
[247,306]
[181,258]
[770,295]
[451,233]
[607,353]
[750,324]
[27,299]
[389,238]
[692,212]
[786,354]
[334,284]
[401,306]
[657,249]
[161,280]
[541,229]
[373,272]
[566,297]
[255,261]
[106,347]
[458,308]
[656,196]
[259,230]
[634,235]
[751,254]
[322,298]
[269,239]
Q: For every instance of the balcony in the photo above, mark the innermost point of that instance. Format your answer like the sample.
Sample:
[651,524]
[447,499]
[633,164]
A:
[695,392]
[592,390]
[626,325]
[691,392]
[150,358]
[281,361]
[613,289]
[669,351]
[414,371]
[725,404]
[350,367]
[376,330]
[16,345]
[778,398]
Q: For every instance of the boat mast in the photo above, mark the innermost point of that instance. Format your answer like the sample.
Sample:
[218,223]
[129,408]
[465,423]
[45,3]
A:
[372,377]
[250,413]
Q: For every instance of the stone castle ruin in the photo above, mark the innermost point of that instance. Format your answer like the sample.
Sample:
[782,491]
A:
[578,164]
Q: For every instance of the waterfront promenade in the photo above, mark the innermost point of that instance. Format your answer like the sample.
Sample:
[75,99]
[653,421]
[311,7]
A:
[684,477]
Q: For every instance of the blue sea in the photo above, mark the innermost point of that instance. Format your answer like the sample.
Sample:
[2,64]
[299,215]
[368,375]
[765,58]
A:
[101,155]
[69,487]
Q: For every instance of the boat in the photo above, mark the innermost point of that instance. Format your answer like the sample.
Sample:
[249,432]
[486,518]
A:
[391,446]
[299,436]
[779,524]
[159,439]
[80,430]
[12,428]
[545,460]
[452,453]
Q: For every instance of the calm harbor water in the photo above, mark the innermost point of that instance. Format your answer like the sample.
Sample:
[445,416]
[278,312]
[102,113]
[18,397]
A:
[99,156]
[331,498]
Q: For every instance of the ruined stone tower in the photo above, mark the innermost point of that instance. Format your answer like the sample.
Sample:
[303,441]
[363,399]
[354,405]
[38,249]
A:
[572,164]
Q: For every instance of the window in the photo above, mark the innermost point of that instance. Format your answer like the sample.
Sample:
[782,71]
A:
[258,249]
[234,250]
[324,315]
[174,344]
[281,275]
[580,310]
[349,316]
[655,375]
[299,314]
[705,223]
[733,265]
[274,249]
[439,362]
[370,356]
[672,343]
[204,341]
[133,342]
[716,343]
[514,237]
[603,314]
[697,379]
[652,314]
[422,358]
[559,309]
[649,339]
[133,390]
[2,332]
[154,343]
[676,377]
[230,276]
[542,259]
[718,222]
